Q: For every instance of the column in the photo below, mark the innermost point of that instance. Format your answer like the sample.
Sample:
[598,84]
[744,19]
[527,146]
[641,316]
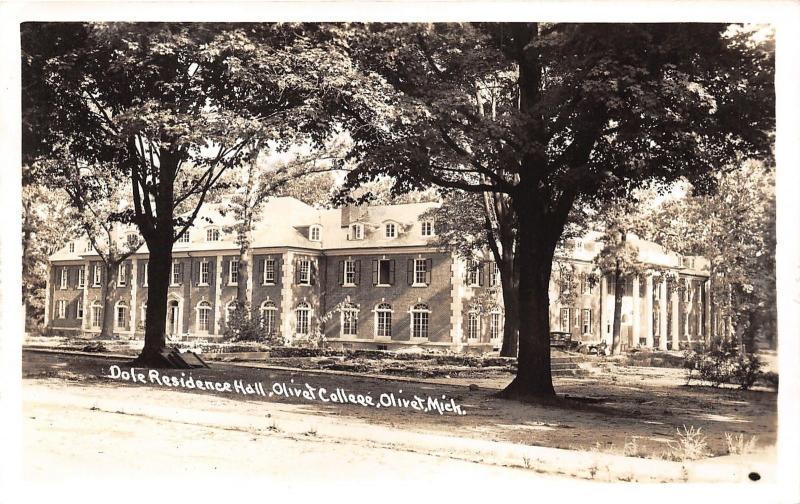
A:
[217,297]
[636,315]
[662,310]
[648,311]
[134,289]
[604,313]
[674,299]
[287,301]
[456,302]
[47,285]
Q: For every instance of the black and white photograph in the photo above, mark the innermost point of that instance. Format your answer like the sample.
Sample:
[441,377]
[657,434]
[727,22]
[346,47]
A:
[319,250]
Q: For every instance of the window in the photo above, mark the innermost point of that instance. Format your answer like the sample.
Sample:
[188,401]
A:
[132,239]
[495,325]
[144,283]
[175,277]
[350,272]
[205,273]
[97,275]
[349,320]
[121,270]
[203,316]
[64,277]
[122,312]
[383,272]
[314,233]
[474,274]
[391,230]
[212,234]
[81,277]
[383,320]
[79,308]
[420,271]
[233,272]
[494,274]
[687,291]
[473,325]
[268,317]
[565,319]
[356,231]
[269,271]
[71,247]
[61,306]
[303,314]
[304,277]
[97,315]
[586,320]
[427,228]
[184,238]
[566,282]
[420,316]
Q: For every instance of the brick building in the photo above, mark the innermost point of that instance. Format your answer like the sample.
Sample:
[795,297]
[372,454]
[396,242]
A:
[368,277]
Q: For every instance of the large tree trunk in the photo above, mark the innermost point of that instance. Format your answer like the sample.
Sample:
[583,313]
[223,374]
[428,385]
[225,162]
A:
[158,272]
[537,242]
[619,287]
[107,329]
[510,287]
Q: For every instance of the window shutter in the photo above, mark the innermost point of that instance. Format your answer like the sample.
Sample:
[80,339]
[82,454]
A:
[297,271]
[375,266]
[277,266]
[313,270]
[262,265]
[410,271]
[391,272]
[180,270]
[225,268]
[211,266]
[341,272]
[428,270]
[358,272]
[481,266]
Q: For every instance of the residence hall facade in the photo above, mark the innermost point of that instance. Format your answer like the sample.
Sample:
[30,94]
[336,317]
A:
[367,277]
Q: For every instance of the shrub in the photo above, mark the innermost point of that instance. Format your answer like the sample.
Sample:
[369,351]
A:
[738,446]
[691,445]
[722,363]
[246,326]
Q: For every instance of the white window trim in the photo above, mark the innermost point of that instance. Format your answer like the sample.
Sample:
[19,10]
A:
[64,280]
[356,231]
[71,247]
[423,270]
[499,325]
[341,321]
[307,279]
[315,229]
[97,274]
[212,230]
[79,309]
[184,239]
[477,336]
[474,269]
[207,264]
[377,311]
[61,308]
[203,306]
[231,282]
[351,263]
[172,282]
[121,274]
[99,308]
[146,267]
[82,277]
[411,312]
[269,306]
[393,227]
[583,320]
[264,280]
[117,306]
[431,231]
[309,310]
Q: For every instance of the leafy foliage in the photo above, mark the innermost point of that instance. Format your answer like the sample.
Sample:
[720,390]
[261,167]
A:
[723,363]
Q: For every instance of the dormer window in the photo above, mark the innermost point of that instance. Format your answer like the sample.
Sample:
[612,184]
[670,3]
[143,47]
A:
[314,233]
[391,230]
[184,238]
[427,228]
[212,234]
[132,240]
[356,231]
[71,247]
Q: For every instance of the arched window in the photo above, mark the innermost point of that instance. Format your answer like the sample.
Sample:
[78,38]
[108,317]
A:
[473,325]
[203,316]
[314,233]
[349,319]
[212,234]
[120,315]
[303,314]
[97,314]
[269,314]
[383,320]
[420,318]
